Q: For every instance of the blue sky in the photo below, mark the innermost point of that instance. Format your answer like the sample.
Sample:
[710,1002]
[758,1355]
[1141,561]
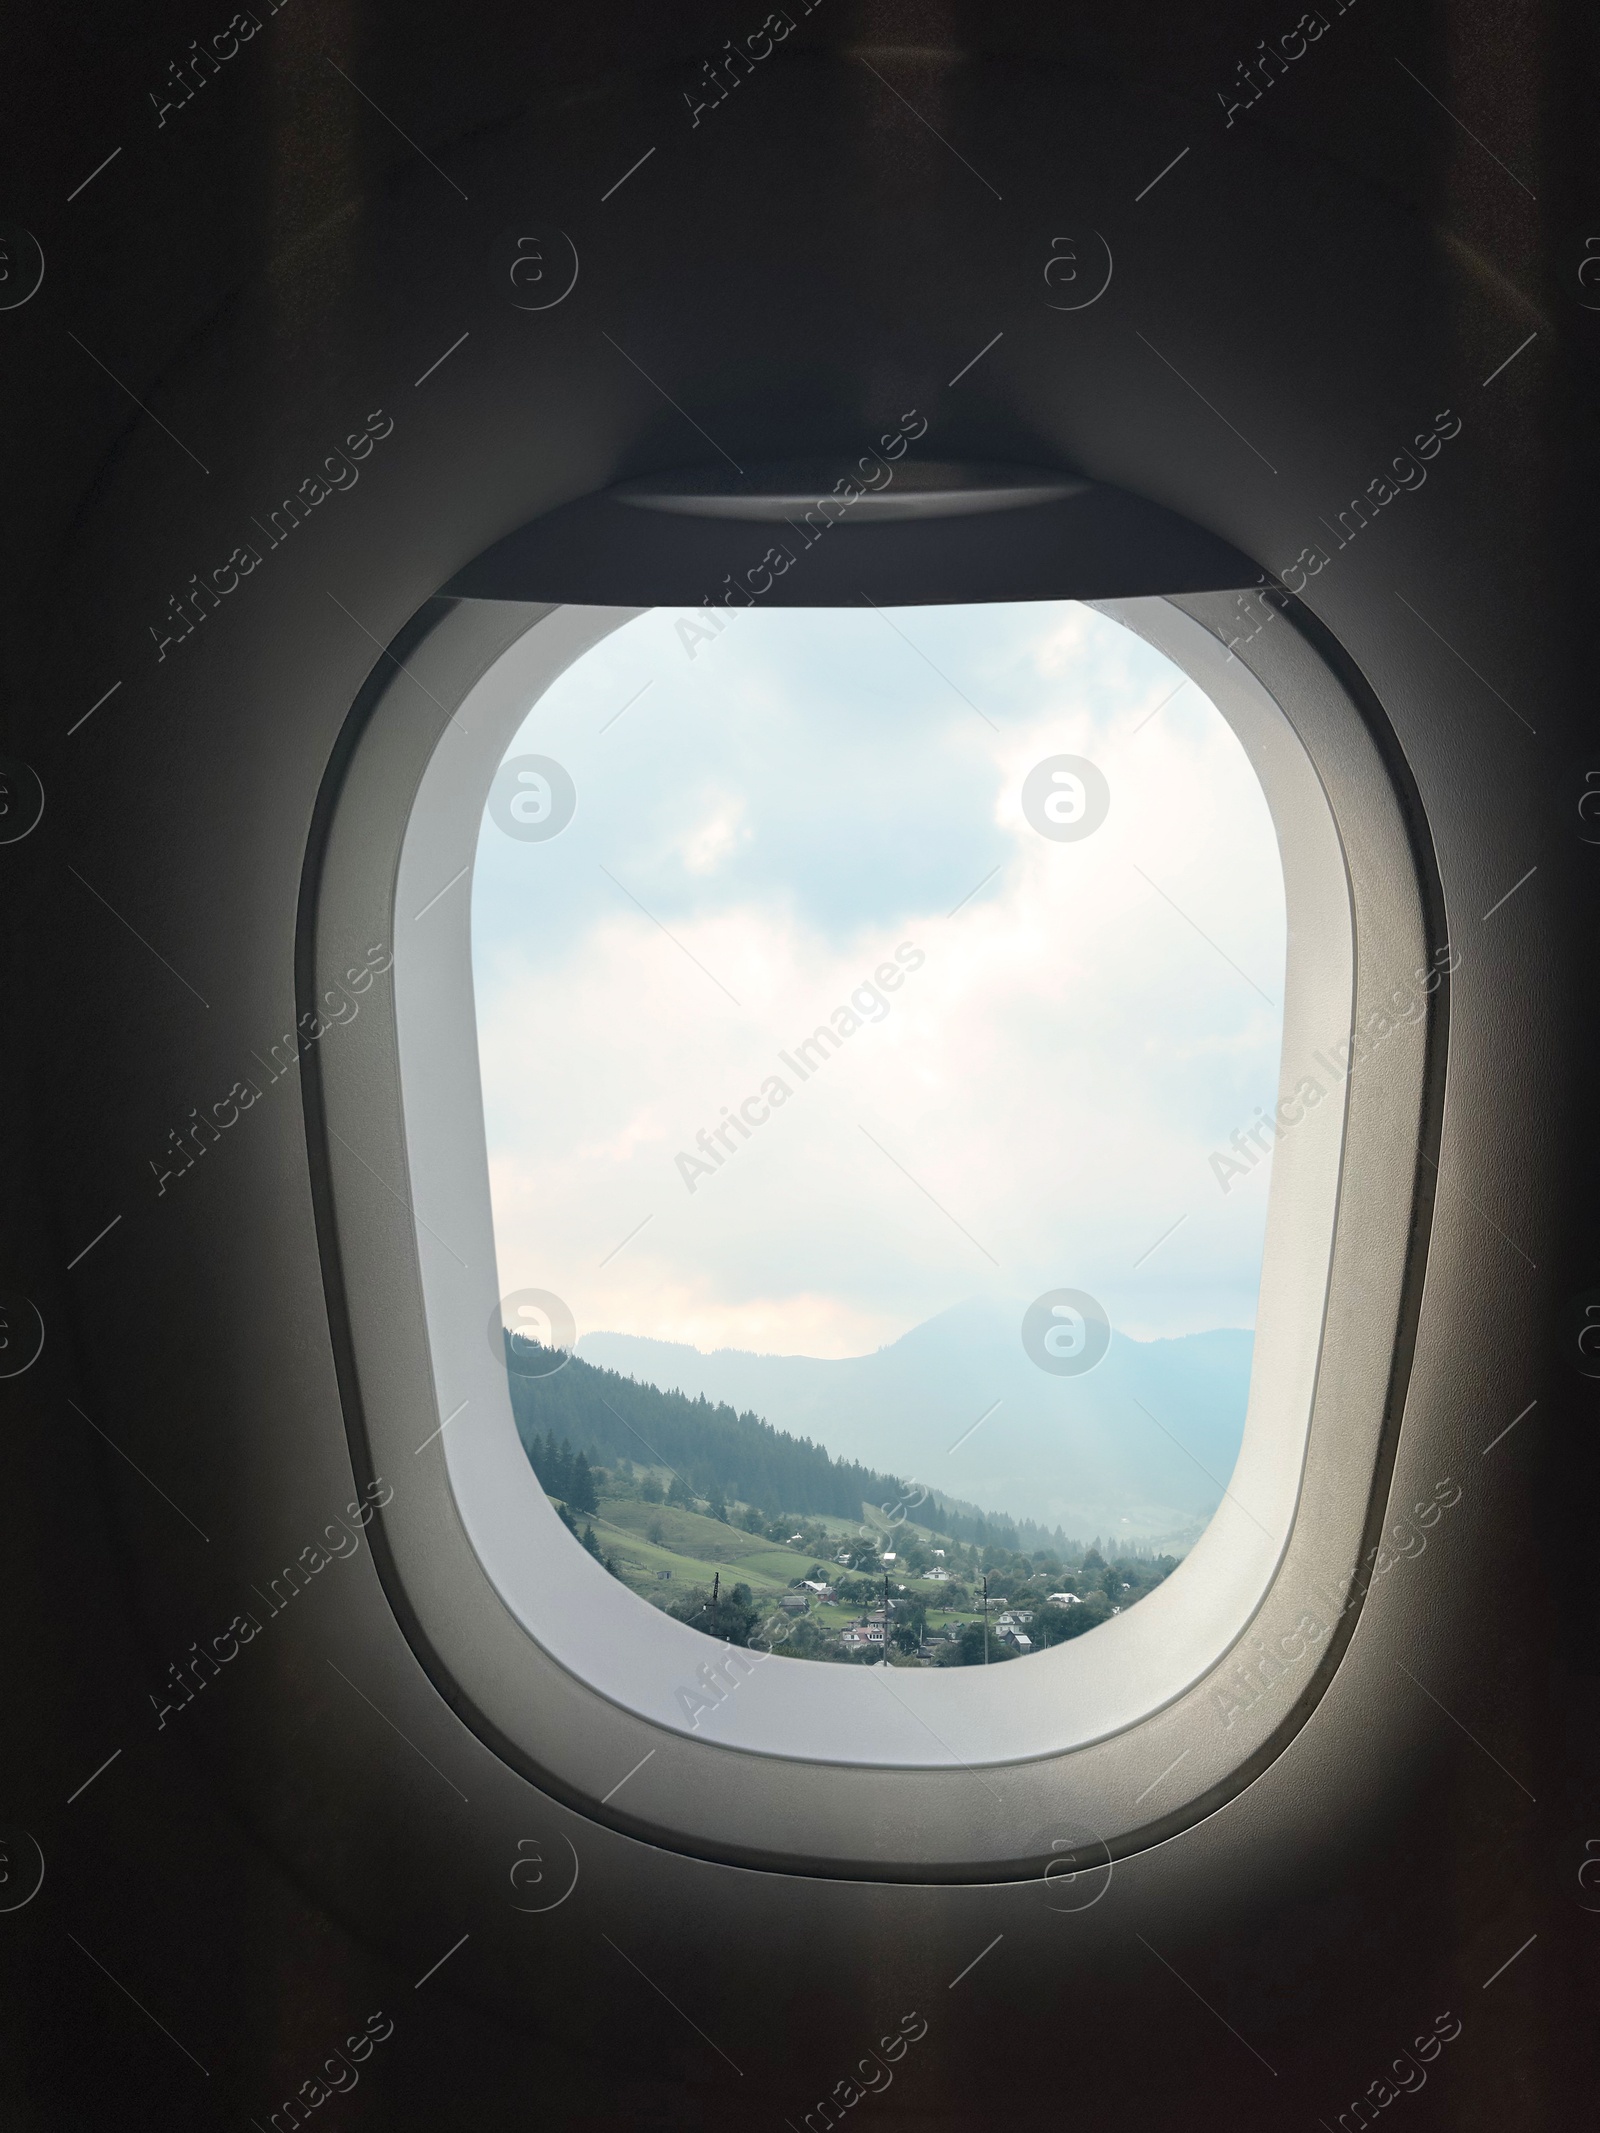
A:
[1032,1105]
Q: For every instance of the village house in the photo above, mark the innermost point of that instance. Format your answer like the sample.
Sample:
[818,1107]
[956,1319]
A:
[855,1636]
[871,1629]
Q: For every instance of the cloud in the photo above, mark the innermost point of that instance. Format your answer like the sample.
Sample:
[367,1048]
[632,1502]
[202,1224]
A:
[1037,1103]
[715,838]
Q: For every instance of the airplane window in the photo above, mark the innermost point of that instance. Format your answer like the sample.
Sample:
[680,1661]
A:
[880,1016]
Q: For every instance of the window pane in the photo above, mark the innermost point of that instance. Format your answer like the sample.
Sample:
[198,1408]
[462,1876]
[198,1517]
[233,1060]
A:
[880,1024]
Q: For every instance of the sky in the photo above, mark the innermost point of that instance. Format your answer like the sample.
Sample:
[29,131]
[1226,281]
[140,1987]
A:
[776,815]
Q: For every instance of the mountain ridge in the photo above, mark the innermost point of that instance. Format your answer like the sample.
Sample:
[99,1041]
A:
[1143,1444]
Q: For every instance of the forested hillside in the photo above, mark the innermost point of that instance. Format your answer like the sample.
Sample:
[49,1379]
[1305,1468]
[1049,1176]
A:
[740,1457]
[1141,1445]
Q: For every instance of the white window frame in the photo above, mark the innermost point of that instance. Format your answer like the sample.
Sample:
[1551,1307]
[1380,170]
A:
[472,1538]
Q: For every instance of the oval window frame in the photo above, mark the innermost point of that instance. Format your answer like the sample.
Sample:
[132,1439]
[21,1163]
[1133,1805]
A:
[728,1787]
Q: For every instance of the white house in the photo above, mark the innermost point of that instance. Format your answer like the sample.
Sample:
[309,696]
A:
[862,1633]
[1063,1599]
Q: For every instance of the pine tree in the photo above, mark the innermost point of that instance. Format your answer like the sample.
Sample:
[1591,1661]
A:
[561,1471]
[581,1491]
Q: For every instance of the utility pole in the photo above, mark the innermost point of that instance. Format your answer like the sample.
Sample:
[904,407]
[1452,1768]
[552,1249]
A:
[716,1587]
[986,1618]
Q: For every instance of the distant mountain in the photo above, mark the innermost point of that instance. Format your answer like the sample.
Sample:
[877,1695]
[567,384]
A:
[577,1415]
[1140,1446]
